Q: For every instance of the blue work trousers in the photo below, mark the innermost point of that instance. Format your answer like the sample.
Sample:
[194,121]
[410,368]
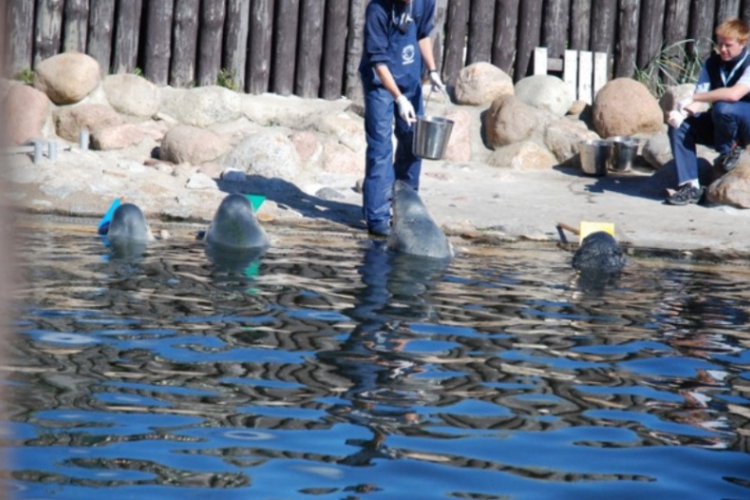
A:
[726,124]
[381,169]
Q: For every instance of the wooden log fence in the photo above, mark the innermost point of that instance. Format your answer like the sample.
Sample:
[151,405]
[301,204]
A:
[312,48]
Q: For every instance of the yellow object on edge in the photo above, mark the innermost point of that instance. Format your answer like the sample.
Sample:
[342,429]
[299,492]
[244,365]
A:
[586,228]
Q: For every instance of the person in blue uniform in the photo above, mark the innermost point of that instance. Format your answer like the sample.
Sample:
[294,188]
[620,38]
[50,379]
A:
[724,83]
[397,49]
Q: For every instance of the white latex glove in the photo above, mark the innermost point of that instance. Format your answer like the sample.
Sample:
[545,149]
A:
[676,118]
[406,110]
[684,103]
[437,83]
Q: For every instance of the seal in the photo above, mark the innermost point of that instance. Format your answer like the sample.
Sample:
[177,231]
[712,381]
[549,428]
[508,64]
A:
[414,231]
[599,252]
[128,232]
[234,225]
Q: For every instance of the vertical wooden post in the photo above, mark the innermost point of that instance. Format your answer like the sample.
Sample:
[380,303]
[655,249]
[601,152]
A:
[481,21]
[529,35]
[236,32]
[727,9]
[211,37]
[76,25]
[455,39]
[580,24]
[310,48]
[603,26]
[127,32]
[504,44]
[702,26]
[438,33]
[628,44]
[332,85]
[745,11]
[184,48]
[649,41]
[260,46]
[675,30]
[354,49]
[556,24]
[19,22]
[101,24]
[285,46]
[158,40]
[47,39]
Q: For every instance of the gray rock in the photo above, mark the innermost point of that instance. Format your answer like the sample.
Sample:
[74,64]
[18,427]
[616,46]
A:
[328,193]
[187,144]
[269,154]
[546,92]
[482,83]
[509,121]
[201,106]
[117,136]
[132,95]
[563,137]
[69,121]
[67,78]
[524,155]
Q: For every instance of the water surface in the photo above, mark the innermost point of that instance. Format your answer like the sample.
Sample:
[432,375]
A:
[329,369]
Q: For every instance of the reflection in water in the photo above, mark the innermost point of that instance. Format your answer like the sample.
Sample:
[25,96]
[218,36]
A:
[497,376]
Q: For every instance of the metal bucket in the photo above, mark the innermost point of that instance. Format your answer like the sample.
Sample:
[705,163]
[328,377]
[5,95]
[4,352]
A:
[594,155]
[431,137]
[622,152]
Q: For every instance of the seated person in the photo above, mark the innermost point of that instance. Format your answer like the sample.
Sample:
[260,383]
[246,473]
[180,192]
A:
[724,82]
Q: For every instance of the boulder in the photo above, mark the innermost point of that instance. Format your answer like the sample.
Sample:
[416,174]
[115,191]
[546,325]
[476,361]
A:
[563,137]
[459,144]
[201,106]
[481,83]
[269,154]
[657,150]
[26,111]
[733,188]
[625,107]
[69,121]
[546,92]
[308,147]
[188,144]
[117,136]
[509,120]
[67,78]
[132,95]
[339,159]
[344,127]
[524,155]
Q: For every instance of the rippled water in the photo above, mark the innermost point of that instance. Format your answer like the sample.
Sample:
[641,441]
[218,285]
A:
[331,370]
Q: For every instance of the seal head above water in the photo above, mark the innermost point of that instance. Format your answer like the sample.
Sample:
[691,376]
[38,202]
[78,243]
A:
[414,231]
[599,252]
[128,232]
[234,225]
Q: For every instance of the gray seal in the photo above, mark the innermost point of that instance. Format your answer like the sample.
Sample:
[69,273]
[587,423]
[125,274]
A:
[414,231]
[128,231]
[234,225]
[599,261]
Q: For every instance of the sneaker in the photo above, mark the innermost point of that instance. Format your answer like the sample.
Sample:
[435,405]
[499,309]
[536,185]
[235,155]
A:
[728,160]
[381,229]
[686,195]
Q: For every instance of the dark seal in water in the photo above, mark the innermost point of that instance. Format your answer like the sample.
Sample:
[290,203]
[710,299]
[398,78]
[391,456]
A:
[599,252]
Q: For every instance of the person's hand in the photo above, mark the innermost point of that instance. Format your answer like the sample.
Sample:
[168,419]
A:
[437,83]
[406,110]
[683,104]
[676,118]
